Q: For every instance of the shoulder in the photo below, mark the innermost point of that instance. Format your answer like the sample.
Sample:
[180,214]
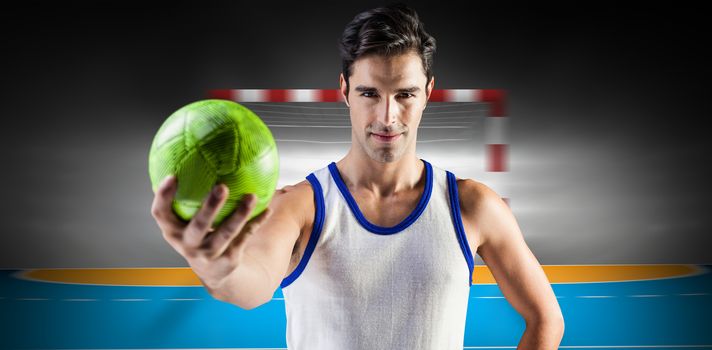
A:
[481,207]
[297,194]
[474,194]
[300,192]
[298,200]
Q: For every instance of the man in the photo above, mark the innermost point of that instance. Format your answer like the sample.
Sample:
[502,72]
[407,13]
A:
[374,251]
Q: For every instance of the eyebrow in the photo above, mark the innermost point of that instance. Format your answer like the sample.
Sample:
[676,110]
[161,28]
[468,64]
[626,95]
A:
[362,88]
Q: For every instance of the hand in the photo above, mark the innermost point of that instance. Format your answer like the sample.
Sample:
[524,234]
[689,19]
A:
[212,253]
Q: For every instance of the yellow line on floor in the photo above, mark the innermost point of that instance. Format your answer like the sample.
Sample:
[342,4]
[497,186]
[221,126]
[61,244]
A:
[184,277]
[601,273]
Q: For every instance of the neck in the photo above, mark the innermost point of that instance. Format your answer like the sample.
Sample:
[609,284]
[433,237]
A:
[383,179]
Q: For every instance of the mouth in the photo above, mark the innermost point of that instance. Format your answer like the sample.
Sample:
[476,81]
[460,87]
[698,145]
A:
[386,137]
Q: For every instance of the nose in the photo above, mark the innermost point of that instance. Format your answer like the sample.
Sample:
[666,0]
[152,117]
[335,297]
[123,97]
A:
[389,111]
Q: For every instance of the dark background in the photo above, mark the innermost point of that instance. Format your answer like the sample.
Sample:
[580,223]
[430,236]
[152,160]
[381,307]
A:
[607,106]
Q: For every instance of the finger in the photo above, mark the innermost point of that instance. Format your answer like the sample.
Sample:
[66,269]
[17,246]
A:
[224,242]
[199,225]
[162,206]
[233,225]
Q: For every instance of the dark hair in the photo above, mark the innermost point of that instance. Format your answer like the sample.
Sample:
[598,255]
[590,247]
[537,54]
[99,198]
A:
[388,30]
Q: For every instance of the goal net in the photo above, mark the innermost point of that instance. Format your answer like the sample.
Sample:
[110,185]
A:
[463,130]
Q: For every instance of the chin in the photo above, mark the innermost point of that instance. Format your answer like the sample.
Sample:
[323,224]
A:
[380,152]
[385,155]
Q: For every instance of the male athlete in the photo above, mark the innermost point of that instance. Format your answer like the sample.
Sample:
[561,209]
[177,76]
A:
[374,251]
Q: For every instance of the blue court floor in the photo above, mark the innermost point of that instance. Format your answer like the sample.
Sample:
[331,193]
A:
[667,313]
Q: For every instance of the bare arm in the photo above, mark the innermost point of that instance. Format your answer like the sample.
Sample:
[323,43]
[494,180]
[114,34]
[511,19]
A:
[515,268]
[219,256]
[268,250]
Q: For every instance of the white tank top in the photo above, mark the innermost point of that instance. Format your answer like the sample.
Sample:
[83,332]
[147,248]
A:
[363,286]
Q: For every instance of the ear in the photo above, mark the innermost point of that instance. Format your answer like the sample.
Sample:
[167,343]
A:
[430,86]
[343,88]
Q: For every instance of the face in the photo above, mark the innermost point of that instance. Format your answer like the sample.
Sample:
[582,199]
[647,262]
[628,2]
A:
[386,97]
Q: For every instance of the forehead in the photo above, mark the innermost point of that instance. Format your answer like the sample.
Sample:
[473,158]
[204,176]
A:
[400,69]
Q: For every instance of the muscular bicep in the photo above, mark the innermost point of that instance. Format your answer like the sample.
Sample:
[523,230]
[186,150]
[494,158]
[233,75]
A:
[272,244]
[513,265]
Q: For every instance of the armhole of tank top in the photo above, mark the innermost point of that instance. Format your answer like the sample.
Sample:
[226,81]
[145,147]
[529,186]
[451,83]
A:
[315,233]
[457,220]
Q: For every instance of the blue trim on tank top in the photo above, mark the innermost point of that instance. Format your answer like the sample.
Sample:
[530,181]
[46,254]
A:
[457,218]
[315,233]
[381,230]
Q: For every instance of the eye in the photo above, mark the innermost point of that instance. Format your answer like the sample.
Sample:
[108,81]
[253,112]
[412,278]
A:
[406,95]
[368,94]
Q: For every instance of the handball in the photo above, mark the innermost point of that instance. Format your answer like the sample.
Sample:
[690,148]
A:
[215,141]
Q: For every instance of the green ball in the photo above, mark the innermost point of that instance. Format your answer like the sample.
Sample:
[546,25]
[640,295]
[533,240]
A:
[215,141]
